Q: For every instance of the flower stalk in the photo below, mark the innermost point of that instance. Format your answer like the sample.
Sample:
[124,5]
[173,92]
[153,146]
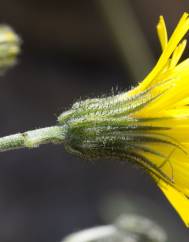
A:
[33,138]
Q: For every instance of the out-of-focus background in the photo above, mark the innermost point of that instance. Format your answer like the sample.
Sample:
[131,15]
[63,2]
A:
[71,50]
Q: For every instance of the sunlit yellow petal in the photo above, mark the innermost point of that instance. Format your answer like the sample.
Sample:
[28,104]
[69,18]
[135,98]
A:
[179,201]
[178,53]
[162,32]
[176,37]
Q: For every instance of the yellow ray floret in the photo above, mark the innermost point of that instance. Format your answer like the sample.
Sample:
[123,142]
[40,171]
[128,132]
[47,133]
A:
[168,49]
[162,33]
[177,199]
[168,88]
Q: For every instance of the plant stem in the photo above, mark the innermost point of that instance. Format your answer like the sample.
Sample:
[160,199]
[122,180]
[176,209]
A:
[33,138]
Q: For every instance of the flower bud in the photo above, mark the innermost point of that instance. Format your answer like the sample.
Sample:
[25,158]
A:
[9,47]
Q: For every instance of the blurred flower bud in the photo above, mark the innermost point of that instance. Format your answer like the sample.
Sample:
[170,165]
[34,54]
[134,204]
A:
[128,228]
[9,47]
[142,227]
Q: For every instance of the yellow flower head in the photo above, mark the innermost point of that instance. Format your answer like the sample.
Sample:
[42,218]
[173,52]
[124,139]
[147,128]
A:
[148,125]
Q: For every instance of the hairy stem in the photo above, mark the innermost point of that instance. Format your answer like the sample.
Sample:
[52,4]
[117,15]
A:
[33,138]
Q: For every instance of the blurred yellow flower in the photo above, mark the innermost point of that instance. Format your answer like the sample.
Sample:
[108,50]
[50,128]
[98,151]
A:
[168,110]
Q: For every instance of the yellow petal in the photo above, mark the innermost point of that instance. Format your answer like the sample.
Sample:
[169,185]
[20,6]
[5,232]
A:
[179,201]
[179,32]
[178,53]
[162,32]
